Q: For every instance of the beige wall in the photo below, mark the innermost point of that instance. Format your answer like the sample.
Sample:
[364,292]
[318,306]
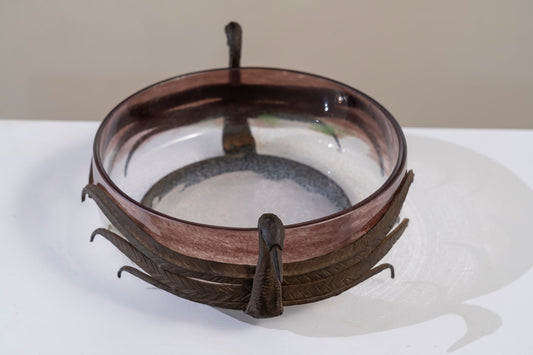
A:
[431,63]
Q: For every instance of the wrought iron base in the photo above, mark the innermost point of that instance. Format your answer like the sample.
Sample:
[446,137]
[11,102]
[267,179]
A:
[264,290]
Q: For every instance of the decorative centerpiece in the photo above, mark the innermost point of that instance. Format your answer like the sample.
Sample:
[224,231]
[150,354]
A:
[250,188]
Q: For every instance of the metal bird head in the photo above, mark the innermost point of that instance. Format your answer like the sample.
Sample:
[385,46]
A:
[272,232]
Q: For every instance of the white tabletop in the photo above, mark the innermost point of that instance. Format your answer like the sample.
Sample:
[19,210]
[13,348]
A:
[464,281]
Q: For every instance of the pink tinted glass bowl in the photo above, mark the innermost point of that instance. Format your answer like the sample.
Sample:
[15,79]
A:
[332,128]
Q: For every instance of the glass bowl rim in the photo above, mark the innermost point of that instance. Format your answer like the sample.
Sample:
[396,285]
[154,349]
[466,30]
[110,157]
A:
[398,168]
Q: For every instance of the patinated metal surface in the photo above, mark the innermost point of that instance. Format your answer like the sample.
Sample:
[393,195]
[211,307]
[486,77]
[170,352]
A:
[266,296]
[236,137]
[230,286]
[270,167]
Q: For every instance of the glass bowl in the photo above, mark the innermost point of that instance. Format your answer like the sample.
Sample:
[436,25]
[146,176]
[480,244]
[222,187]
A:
[320,123]
[188,165]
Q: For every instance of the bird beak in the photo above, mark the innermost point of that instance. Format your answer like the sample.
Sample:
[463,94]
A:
[275,254]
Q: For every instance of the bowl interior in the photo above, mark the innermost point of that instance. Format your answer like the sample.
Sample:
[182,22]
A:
[300,119]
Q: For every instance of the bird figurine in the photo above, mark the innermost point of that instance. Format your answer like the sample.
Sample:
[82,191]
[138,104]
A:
[266,297]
